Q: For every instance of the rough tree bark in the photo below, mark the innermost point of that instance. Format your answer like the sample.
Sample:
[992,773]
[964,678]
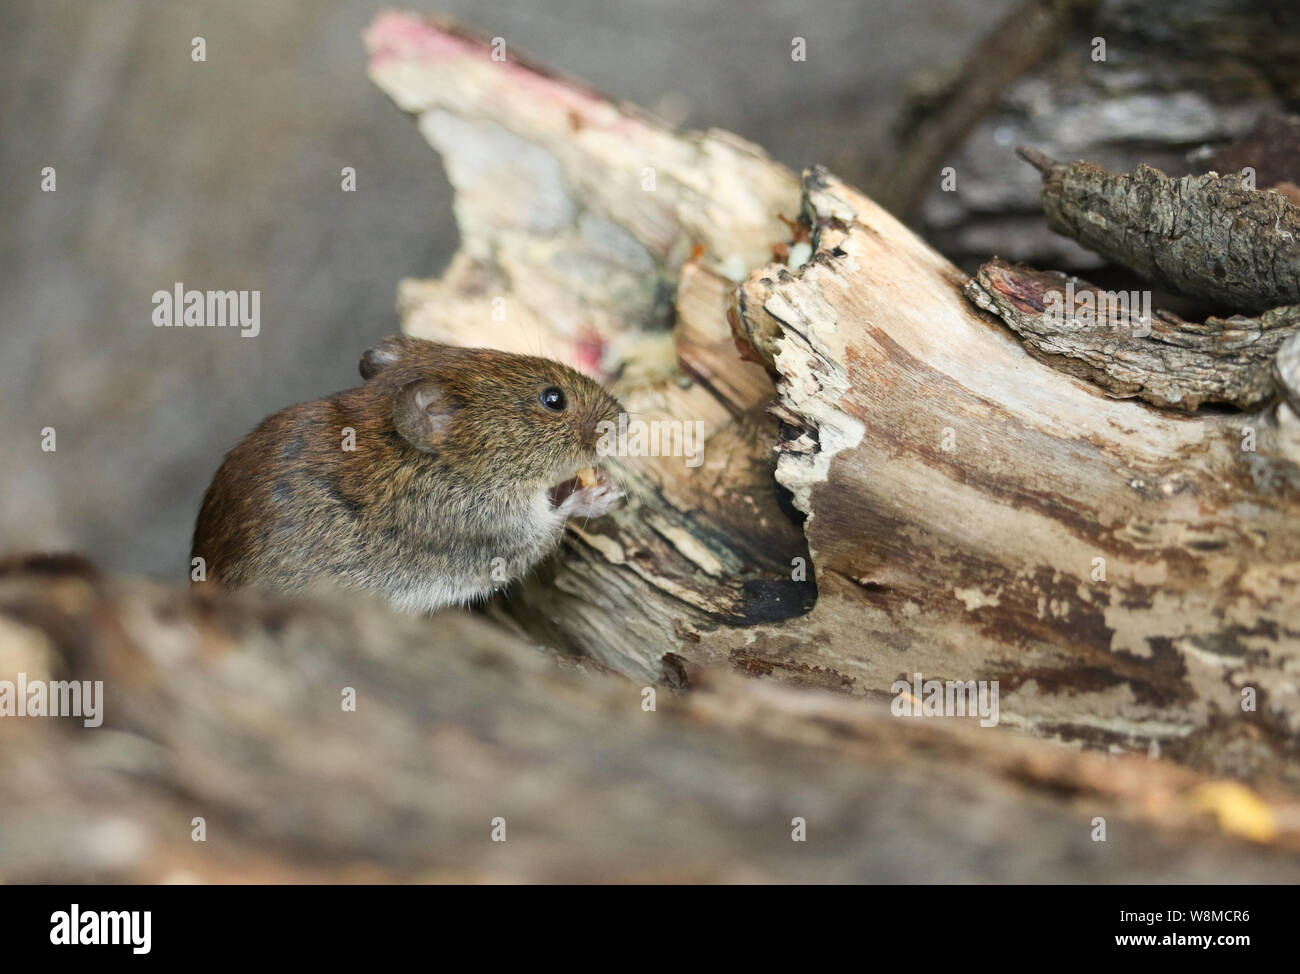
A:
[1161,358]
[1208,236]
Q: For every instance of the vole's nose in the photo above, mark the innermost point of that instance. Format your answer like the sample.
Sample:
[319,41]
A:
[604,425]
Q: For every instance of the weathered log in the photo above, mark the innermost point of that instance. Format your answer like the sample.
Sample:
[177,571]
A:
[971,512]
[228,708]
[1210,236]
[1130,350]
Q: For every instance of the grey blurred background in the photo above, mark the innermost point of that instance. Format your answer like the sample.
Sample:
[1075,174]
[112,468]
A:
[226,175]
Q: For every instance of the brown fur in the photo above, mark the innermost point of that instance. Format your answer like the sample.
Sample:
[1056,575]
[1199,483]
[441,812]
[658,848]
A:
[424,520]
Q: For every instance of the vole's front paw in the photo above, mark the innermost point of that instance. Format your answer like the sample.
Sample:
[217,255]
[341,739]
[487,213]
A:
[591,501]
[597,497]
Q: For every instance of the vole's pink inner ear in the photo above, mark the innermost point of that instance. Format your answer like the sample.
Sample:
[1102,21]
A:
[386,353]
[423,415]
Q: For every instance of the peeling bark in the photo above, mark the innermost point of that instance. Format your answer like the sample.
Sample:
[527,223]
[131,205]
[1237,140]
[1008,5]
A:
[1161,359]
[1206,236]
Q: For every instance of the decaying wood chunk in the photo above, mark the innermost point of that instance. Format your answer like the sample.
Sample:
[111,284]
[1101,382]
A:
[1208,236]
[971,513]
[1130,350]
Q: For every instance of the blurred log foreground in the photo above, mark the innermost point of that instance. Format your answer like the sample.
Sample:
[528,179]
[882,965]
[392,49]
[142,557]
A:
[889,484]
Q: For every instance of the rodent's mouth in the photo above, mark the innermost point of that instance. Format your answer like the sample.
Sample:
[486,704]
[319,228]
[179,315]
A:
[586,477]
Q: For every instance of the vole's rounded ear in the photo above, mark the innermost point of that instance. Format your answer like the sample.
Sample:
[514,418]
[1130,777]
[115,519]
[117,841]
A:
[423,414]
[386,353]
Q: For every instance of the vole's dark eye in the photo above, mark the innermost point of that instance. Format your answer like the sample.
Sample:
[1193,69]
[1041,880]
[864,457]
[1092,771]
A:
[552,398]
